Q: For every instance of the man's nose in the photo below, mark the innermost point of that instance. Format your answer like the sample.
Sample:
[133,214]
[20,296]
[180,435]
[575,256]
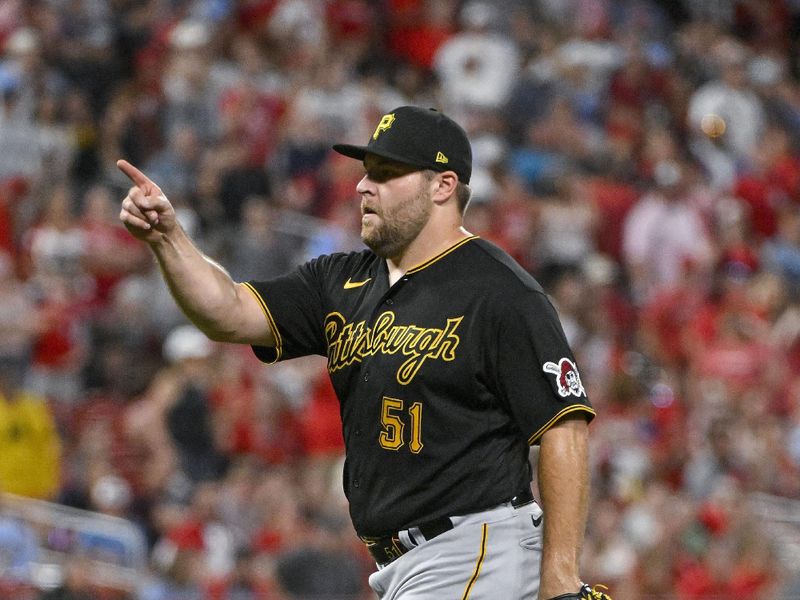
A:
[365,186]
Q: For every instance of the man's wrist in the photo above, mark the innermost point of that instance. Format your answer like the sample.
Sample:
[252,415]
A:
[175,240]
[584,593]
[555,582]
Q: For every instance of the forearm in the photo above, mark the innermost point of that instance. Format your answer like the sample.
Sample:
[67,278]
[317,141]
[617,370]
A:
[564,489]
[201,288]
[221,308]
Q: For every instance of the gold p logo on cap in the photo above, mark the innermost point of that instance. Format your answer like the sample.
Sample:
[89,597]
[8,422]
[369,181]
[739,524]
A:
[386,122]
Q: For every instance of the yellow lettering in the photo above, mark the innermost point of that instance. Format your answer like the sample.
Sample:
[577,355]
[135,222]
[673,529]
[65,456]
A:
[447,349]
[351,342]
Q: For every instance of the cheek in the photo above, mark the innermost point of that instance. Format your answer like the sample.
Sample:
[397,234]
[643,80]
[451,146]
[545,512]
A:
[387,205]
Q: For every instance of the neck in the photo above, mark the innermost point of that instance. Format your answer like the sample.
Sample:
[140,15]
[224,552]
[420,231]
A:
[425,246]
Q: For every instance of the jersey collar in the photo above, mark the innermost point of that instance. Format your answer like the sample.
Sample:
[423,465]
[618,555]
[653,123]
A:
[441,255]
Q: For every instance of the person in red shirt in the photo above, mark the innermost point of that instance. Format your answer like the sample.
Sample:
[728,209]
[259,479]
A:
[772,180]
[111,252]
[417,28]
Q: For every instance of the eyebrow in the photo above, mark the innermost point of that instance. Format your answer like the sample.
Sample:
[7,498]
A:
[385,169]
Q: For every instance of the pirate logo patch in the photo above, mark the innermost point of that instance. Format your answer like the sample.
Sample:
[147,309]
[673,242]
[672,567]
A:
[567,378]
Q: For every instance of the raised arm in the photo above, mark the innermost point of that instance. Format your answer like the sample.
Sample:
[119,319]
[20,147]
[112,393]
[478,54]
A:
[223,309]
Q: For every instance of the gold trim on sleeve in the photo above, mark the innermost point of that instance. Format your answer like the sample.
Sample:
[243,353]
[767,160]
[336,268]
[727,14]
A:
[551,422]
[270,321]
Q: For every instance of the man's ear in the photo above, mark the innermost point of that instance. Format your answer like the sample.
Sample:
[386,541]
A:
[446,183]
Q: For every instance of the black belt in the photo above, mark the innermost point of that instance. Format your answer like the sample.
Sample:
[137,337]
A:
[385,549]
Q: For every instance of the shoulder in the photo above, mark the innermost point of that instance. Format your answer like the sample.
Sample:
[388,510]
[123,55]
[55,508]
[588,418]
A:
[499,270]
[340,262]
[509,294]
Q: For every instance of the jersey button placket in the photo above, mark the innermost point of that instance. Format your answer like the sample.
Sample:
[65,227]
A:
[393,291]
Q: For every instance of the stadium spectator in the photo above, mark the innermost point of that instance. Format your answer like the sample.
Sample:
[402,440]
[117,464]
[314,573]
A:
[664,232]
[30,448]
[476,66]
[18,319]
[728,97]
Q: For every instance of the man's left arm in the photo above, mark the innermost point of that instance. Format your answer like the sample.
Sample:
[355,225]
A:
[563,478]
[536,373]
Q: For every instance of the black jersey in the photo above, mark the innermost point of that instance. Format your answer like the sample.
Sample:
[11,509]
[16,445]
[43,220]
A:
[444,378]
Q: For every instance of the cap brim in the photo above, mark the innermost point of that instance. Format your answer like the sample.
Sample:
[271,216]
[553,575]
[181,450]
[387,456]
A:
[351,150]
[360,152]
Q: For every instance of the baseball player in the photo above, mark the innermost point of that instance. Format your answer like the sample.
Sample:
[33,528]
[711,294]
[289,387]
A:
[448,360]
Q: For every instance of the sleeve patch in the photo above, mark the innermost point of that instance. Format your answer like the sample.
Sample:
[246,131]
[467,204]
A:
[568,380]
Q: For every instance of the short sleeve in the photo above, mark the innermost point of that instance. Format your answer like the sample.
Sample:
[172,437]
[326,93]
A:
[293,306]
[535,371]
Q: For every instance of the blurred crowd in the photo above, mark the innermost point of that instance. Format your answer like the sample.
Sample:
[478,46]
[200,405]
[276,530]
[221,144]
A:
[640,158]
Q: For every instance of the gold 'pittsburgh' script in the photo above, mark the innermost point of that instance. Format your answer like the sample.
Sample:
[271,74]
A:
[350,342]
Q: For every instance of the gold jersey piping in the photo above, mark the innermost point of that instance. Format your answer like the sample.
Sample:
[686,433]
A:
[561,413]
[441,255]
[270,321]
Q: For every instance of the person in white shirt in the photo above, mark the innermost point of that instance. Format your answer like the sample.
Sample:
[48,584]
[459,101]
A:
[478,65]
[663,233]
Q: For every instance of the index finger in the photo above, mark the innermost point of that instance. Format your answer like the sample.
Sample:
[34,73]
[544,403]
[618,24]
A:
[142,181]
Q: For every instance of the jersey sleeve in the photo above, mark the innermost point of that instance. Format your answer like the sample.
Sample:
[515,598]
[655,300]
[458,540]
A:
[535,371]
[293,305]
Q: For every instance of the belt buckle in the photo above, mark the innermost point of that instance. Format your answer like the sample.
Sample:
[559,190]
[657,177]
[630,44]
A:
[394,549]
[524,498]
[385,550]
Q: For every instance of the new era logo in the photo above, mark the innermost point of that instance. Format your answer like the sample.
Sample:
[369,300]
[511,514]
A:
[441,158]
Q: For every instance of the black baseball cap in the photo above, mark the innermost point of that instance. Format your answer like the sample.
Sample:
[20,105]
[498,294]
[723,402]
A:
[420,137]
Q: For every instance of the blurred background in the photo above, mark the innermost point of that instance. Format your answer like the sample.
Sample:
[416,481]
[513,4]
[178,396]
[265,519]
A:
[640,158]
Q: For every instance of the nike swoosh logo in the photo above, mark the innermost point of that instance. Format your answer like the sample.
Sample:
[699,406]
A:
[536,522]
[349,285]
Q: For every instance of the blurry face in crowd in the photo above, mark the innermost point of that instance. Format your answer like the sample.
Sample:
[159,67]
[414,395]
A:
[395,205]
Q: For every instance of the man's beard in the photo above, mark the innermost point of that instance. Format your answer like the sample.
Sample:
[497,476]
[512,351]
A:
[399,226]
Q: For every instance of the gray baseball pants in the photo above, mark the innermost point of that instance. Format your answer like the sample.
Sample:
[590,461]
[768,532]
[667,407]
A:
[489,555]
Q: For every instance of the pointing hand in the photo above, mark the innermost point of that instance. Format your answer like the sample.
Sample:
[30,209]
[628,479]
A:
[146,211]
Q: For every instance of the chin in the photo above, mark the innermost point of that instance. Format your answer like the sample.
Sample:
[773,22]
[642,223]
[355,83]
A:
[385,249]
[372,244]
[367,237]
